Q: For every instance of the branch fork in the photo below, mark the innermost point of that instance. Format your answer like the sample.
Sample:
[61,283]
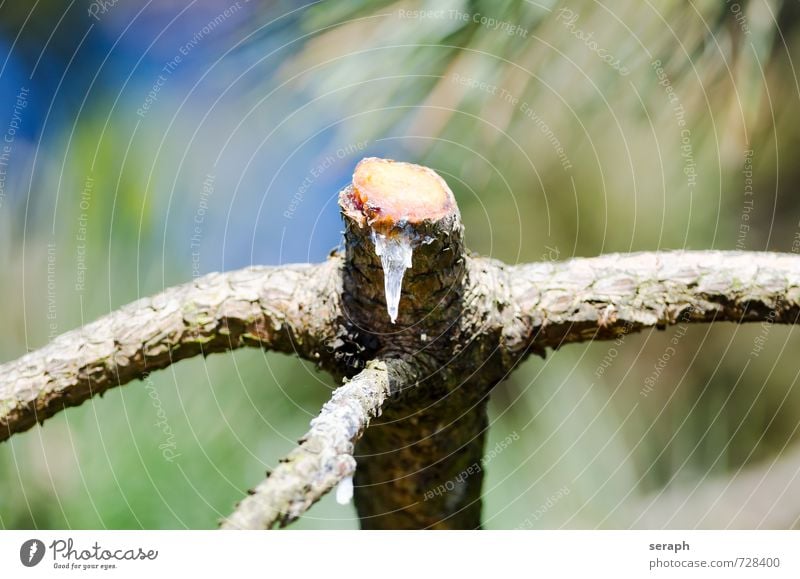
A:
[412,409]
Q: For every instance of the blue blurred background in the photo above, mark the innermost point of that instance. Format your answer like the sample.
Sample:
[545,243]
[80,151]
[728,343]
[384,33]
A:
[147,143]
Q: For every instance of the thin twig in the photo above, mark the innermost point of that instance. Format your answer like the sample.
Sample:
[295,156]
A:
[324,456]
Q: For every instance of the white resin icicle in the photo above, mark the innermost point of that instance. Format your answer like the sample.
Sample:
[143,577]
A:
[395,253]
[344,491]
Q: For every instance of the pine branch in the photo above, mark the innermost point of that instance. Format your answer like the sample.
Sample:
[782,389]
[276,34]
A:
[325,454]
[473,318]
[602,297]
[287,309]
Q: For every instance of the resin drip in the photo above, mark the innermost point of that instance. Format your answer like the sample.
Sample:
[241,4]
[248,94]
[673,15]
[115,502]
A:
[395,252]
[344,492]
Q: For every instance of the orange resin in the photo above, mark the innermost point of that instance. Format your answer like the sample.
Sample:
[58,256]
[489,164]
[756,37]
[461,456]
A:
[389,192]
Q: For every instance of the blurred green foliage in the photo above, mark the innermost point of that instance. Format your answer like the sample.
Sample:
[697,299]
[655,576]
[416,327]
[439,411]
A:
[272,94]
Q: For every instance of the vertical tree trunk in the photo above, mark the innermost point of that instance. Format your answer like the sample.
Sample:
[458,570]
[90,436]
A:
[419,466]
[431,435]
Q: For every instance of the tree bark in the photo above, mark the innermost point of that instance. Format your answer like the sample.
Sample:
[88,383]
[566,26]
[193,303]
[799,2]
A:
[325,455]
[602,297]
[290,309]
[463,324]
[428,436]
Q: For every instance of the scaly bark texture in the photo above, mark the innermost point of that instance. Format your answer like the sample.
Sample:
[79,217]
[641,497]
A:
[431,434]
[464,323]
[598,298]
[289,309]
[325,454]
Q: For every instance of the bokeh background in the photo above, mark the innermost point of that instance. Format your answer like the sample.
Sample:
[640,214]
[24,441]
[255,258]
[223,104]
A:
[146,143]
